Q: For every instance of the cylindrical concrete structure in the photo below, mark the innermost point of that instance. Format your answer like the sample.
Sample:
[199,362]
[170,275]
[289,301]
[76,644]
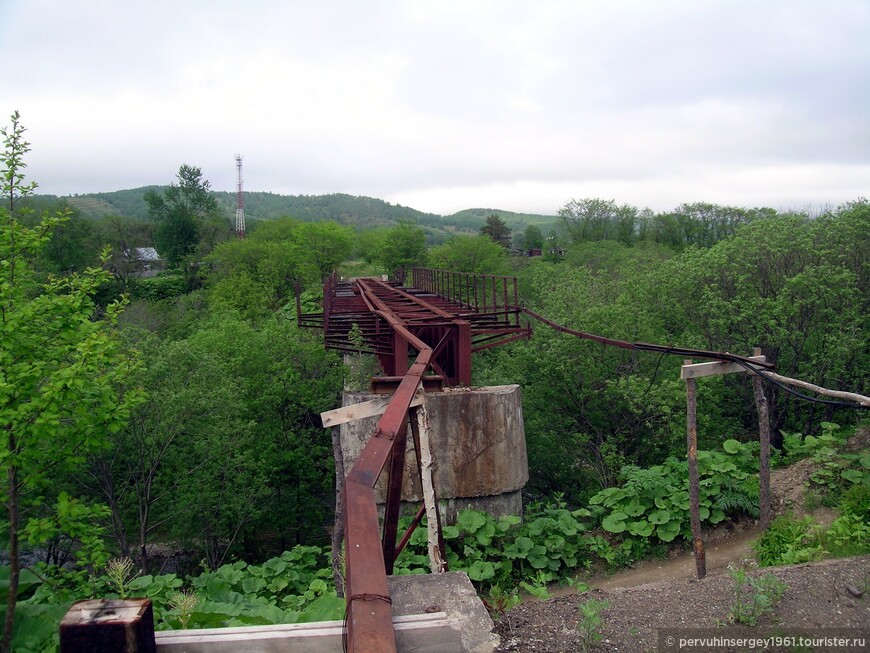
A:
[478,443]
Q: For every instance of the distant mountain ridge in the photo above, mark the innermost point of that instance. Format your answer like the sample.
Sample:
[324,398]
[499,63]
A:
[350,210]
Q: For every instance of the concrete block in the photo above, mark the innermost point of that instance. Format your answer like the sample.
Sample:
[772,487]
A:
[478,442]
[451,593]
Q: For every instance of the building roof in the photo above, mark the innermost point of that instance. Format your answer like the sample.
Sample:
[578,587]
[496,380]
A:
[145,254]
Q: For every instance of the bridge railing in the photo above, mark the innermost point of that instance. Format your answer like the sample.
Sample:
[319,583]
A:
[483,293]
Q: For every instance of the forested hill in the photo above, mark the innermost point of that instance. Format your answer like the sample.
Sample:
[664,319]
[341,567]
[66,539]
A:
[351,210]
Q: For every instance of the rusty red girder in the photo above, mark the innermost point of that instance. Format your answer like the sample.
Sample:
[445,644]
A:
[369,558]
[454,313]
[442,328]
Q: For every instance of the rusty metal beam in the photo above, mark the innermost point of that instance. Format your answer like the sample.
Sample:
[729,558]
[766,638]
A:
[393,505]
[394,321]
[368,605]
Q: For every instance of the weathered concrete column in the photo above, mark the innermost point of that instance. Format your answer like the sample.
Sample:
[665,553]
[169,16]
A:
[478,443]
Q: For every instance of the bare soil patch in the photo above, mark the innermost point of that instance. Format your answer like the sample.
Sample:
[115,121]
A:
[816,597]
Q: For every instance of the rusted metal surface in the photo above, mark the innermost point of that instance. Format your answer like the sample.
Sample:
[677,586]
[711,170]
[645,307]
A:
[394,324]
[369,613]
[454,313]
[392,509]
[368,557]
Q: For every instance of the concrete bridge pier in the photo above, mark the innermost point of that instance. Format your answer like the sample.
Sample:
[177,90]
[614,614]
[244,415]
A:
[478,444]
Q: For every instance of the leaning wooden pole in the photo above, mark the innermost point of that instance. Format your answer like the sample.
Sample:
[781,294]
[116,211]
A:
[764,452]
[437,562]
[338,528]
[694,479]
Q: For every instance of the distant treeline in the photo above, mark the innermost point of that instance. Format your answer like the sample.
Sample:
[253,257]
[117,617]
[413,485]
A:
[350,210]
[699,224]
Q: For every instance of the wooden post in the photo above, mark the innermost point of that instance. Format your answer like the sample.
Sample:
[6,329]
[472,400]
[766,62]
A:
[433,518]
[338,524]
[108,626]
[694,481]
[764,453]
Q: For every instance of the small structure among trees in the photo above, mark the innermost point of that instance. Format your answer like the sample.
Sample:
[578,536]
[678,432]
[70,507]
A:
[144,261]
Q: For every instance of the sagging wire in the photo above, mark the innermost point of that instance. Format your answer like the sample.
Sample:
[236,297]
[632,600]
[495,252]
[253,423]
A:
[655,373]
[755,367]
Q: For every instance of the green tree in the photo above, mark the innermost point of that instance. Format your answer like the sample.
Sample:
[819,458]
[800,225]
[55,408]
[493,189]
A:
[255,275]
[534,239]
[179,445]
[403,247]
[62,372]
[72,246]
[326,244]
[470,254]
[496,229]
[701,224]
[597,219]
[788,284]
[367,244]
[229,445]
[185,213]
[258,274]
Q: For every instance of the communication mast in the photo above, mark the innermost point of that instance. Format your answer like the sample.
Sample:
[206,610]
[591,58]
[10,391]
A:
[240,201]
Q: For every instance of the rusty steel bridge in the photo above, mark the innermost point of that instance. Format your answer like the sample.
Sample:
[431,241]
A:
[422,334]
[454,314]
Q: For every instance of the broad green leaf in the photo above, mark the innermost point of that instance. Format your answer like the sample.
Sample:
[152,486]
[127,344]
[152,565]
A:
[481,570]
[659,517]
[668,531]
[641,528]
[614,522]
[853,475]
[731,446]
[471,520]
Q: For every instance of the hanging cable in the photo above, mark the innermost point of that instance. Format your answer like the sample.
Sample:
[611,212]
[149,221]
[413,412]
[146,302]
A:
[753,366]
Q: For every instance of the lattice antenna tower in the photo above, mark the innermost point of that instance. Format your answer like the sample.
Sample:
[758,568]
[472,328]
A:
[240,201]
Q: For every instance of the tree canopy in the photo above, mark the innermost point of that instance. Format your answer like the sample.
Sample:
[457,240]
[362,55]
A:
[62,370]
[533,238]
[470,254]
[185,214]
[402,248]
[496,229]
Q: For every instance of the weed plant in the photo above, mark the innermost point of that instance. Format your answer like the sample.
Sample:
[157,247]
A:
[753,597]
[589,625]
[842,480]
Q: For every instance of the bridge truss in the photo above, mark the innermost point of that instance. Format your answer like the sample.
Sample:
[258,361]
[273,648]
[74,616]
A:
[439,320]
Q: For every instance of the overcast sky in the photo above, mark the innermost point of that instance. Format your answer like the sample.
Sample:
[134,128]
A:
[443,105]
